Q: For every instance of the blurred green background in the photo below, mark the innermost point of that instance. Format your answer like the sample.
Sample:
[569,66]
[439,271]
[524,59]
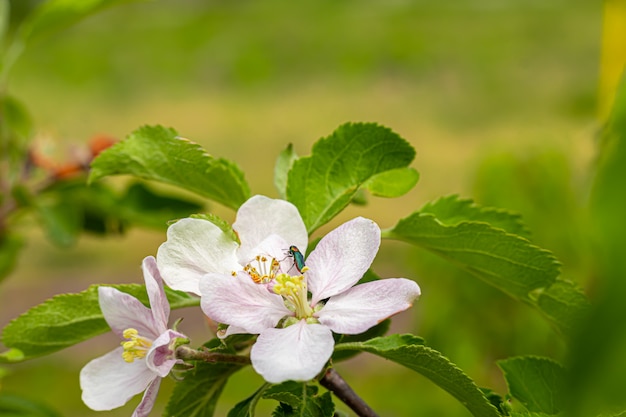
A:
[498,98]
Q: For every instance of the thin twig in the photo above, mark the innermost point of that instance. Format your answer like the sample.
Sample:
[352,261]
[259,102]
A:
[333,382]
[187,353]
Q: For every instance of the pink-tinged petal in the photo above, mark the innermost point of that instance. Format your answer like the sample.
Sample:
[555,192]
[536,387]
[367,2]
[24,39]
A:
[149,397]
[260,217]
[109,382]
[366,305]
[272,246]
[195,247]
[238,301]
[298,352]
[160,358]
[156,294]
[342,257]
[122,311]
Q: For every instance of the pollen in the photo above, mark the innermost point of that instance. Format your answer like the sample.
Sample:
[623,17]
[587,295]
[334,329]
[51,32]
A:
[262,270]
[136,347]
[293,289]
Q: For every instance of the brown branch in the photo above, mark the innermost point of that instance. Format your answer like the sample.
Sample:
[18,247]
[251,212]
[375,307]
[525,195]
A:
[333,382]
[187,353]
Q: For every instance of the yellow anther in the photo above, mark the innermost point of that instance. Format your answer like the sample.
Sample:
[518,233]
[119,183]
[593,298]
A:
[136,347]
[262,270]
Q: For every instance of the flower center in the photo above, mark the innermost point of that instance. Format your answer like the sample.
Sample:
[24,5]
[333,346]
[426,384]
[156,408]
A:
[293,289]
[262,270]
[136,347]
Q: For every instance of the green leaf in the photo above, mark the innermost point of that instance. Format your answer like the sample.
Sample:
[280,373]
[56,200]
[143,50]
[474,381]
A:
[61,221]
[197,394]
[159,154]
[246,407]
[564,304]
[15,406]
[300,399]
[535,382]
[281,170]
[379,330]
[142,206]
[452,210]
[322,184]
[506,261]
[409,351]
[54,15]
[392,183]
[67,319]
[10,246]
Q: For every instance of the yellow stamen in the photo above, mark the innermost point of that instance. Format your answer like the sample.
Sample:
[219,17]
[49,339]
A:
[262,272]
[136,347]
[294,290]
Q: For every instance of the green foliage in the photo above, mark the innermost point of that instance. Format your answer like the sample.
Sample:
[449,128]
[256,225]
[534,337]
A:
[322,184]
[159,154]
[197,394]
[295,398]
[392,183]
[599,367]
[462,233]
[67,319]
[15,133]
[54,15]
[506,261]
[69,207]
[564,304]
[536,382]
[284,162]
[379,330]
[246,407]
[10,246]
[410,351]
[300,399]
[15,406]
[5,9]
[15,118]
[452,210]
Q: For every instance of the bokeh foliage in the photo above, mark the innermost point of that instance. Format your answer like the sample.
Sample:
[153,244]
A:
[470,67]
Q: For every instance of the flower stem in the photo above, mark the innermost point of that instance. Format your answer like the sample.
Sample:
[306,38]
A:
[187,353]
[333,382]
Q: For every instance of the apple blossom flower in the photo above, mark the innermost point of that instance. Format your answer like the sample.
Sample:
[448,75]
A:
[258,288]
[195,247]
[145,356]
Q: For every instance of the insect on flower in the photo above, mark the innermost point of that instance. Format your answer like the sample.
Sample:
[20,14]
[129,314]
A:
[298,259]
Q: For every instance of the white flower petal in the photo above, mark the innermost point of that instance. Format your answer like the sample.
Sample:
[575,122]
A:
[260,217]
[122,311]
[149,397]
[366,305]
[109,382]
[342,257]
[298,352]
[193,248]
[156,294]
[240,302]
